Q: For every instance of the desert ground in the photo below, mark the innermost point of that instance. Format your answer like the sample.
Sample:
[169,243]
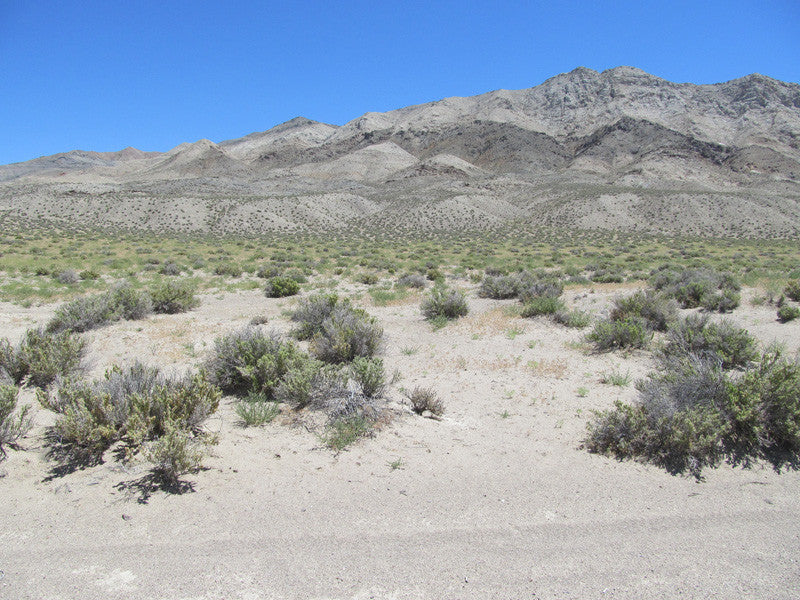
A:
[496,499]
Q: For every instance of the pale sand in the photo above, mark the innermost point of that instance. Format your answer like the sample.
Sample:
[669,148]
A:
[496,500]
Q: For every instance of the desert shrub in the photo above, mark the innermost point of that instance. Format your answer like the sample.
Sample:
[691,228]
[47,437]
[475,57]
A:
[298,383]
[228,270]
[89,312]
[43,356]
[170,268]
[249,360]
[654,309]
[129,303]
[345,334]
[312,312]
[627,333]
[694,413]
[542,305]
[368,278]
[280,287]
[268,271]
[730,346]
[82,314]
[572,318]
[11,369]
[499,287]
[174,296]
[425,400]
[175,453]
[531,287]
[89,275]
[13,423]
[137,404]
[721,301]
[788,313]
[256,410]
[369,376]
[607,276]
[296,275]
[412,280]
[434,274]
[792,290]
[444,302]
[68,277]
[694,287]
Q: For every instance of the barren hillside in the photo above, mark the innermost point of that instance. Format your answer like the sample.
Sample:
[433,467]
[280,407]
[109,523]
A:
[620,149]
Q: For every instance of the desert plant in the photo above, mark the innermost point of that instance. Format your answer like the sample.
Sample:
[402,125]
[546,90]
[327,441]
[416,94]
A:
[169,268]
[654,309]
[531,286]
[256,410]
[344,431]
[82,314]
[412,280]
[617,378]
[13,423]
[369,375]
[175,453]
[627,333]
[173,296]
[249,360]
[731,346]
[699,287]
[542,305]
[368,278]
[312,312]
[346,334]
[499,287]
[572,318]
[444,302]
[68,277]
[788,313]
[43,356]
[425,400]
[298,383]
[792,290]
[228,270]
[280,287]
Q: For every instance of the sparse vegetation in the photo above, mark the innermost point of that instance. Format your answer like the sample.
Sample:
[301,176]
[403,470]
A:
[280,287]
[788,313]
[174,296]
[631,332]
[14,422]
[425,400]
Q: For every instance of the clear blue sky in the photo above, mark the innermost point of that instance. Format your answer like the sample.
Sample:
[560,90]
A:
[102,75]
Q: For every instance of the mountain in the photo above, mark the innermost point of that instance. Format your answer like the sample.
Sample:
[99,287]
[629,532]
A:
[618,149]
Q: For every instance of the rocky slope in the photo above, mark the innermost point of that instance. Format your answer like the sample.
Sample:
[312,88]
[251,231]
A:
[620,149]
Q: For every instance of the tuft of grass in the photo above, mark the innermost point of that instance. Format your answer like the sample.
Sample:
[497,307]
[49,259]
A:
[256,410]
[616,378]
[345,431]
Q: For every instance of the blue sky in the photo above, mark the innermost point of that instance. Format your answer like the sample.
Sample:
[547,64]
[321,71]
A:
[104,75]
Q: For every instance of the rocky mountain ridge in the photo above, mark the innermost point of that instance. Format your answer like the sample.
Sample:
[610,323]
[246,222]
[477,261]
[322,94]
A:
[620,149]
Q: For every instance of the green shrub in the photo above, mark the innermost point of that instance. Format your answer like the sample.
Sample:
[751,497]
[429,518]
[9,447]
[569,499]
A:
[723,342]
[129,303]
[627,333]
[346,334]
[792,290]
[44,356]
[13,423]
[280,287]
[174,296]
[444,302]
[368,278]
[249,360]
[722,301]
[89,275]
[369,375]
[542,305]
[654,309]
[298,383]
[788,313]
[175,453]
[572,318]
[268,272]
[169,268]
[228,270]
[90,312]
[531,287]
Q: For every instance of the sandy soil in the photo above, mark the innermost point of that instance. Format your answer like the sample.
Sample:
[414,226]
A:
[496,500]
